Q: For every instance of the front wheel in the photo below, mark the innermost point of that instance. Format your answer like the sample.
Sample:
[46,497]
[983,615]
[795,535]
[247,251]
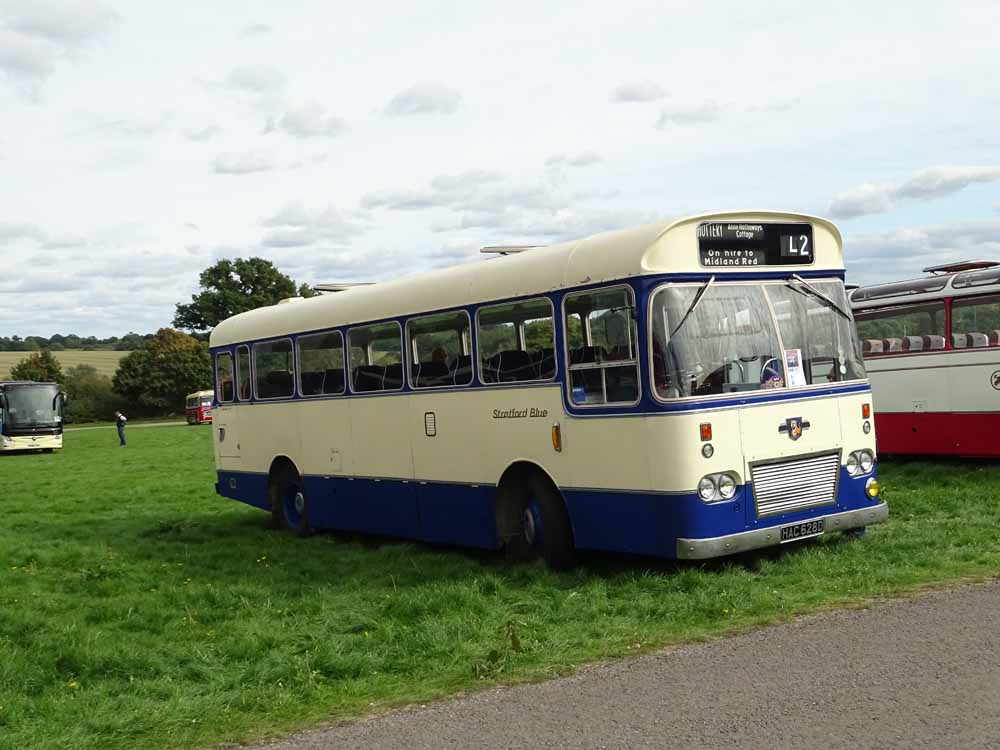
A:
[545,529]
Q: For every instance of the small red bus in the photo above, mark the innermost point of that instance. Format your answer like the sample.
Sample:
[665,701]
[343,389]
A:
[198,407]
[932,352]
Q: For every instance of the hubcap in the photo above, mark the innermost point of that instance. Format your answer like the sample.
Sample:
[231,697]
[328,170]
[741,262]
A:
[528,525]
[300,502]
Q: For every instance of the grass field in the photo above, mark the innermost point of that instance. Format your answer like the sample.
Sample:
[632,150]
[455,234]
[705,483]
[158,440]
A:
[138,610]
[106,362]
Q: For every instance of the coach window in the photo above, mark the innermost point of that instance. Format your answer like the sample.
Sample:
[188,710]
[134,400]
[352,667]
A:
[604,368]
[321,364]
[516,342]
[975,322]
[243,372]
[224,377]
[274,369]
[439,347]
[376,357]
[901,329]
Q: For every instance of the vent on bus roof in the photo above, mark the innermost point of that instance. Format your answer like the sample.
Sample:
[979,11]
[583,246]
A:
[964,265]
[507,249]
[331,288]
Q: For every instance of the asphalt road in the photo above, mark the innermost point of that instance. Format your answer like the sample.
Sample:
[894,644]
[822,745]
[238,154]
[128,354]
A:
[914,673]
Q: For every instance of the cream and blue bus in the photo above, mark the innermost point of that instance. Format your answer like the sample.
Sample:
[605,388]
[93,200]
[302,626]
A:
[31,416]
[687,389]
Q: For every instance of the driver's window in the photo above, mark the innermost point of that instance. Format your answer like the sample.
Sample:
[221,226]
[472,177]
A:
[604,367]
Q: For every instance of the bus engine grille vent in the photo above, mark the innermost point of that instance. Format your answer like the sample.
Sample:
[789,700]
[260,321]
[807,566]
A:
[795,484]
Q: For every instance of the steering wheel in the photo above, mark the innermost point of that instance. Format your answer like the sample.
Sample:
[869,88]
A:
[774,372]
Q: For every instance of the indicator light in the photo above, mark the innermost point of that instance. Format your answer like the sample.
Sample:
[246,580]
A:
[866,411]
[706,431]
[557,438]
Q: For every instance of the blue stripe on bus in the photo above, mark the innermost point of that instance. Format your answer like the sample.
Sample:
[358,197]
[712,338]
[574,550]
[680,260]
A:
[463,514]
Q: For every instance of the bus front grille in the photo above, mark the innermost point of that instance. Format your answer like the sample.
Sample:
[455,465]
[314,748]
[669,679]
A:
[795,484]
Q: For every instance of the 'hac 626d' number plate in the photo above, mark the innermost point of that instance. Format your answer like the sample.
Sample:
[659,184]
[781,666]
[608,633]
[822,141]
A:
[801,530]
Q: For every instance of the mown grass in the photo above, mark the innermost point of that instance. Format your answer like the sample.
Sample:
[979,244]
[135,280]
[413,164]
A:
[106,362]
[137,609]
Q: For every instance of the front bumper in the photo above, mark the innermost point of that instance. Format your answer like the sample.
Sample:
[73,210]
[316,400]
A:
[31,442]
[701,549]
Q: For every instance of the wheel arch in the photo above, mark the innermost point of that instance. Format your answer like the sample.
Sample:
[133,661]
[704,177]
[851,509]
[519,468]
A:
[507,509]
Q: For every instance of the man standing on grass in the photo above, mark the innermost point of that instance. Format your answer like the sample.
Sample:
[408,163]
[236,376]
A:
[121,420]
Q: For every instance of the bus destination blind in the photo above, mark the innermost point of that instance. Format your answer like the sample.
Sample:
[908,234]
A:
[746,244]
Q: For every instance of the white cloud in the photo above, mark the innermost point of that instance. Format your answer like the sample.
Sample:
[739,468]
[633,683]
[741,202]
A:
[424,99]
[242,163]
[255,29]
[638,92]
[933,182]
[901,253]
[708,111]
[203,134]
[868,198]
[584,159]
[311,121]
[256,79]
[35,36]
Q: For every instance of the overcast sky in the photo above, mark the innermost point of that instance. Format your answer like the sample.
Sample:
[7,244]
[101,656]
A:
[142,141]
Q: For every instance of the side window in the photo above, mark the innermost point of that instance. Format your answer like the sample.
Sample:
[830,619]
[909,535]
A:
[895,330]
[604,368]
[376,358]
[321,364]
[439,349]
[274,368]
[975,322]
[243,372]
[516,342]
[224,377]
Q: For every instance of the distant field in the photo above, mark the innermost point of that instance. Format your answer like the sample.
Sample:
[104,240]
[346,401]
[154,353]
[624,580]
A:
[106,362]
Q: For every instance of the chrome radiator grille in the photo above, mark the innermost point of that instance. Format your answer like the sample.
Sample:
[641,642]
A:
[795,484]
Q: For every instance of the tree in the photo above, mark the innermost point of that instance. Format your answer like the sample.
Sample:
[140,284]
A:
[42,367]
[234,286]
[90,395]
[156,378]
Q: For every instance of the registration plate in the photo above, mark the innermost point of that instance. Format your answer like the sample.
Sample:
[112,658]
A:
[801,530]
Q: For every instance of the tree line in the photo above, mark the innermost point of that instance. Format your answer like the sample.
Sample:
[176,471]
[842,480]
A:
[163,367]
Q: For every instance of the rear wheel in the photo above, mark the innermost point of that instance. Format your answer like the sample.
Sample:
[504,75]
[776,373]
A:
[289,504]
[543,527]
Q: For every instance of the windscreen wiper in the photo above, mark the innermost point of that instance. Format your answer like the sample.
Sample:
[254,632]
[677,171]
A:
[819,295]
[699,295]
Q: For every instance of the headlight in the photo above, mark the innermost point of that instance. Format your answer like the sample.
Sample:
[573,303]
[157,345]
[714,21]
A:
[706,489]
[727,486]
[852,464]
[871,487]
[866,461]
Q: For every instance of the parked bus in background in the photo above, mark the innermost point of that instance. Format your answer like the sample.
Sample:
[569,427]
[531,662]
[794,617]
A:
[685,389]
[31,416]
[932,351]
[198,407]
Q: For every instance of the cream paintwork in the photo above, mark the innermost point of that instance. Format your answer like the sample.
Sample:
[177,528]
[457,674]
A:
[32,443]
[951,381]
[664,247]
[649,453]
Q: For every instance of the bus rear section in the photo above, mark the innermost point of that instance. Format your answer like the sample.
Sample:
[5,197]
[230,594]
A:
[198,407]
[31,416]
[932,350]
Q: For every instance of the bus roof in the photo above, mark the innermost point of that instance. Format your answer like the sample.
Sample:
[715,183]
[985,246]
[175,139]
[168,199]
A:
[984,277]
[662,247]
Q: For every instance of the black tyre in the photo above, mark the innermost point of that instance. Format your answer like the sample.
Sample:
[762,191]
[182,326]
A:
[289,503]
[544,526]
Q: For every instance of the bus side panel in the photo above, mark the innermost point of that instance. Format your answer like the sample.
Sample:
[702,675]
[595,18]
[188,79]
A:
[244,486]
[457,514]
[976,435]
